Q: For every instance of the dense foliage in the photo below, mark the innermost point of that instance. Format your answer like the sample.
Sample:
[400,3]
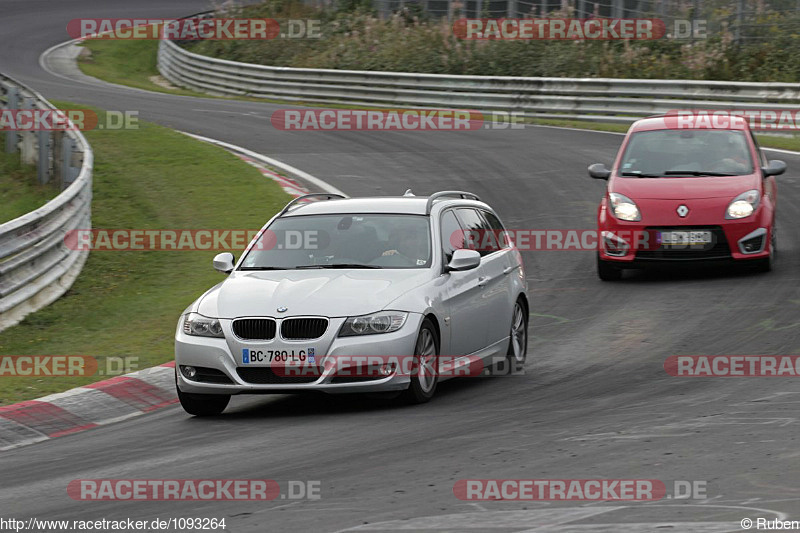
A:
[353,37]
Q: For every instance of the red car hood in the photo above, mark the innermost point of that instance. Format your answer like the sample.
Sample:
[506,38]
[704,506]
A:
[684,188]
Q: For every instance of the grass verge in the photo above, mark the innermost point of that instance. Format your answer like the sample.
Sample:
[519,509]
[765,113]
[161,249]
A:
[127,303]
[19,191]
[126,62]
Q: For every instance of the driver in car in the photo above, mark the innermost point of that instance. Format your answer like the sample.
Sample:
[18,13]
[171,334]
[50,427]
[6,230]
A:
[727,156]
[406,246]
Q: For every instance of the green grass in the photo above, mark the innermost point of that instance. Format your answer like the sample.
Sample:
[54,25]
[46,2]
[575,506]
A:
[125,62]
[133,63]
[19,191]
[783,143]
[580,124]
[127,303]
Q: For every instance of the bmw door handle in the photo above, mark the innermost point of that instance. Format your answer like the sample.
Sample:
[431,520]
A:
[483,280]
[509,270]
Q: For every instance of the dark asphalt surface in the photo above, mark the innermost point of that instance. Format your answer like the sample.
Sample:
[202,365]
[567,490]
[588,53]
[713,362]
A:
[595,401]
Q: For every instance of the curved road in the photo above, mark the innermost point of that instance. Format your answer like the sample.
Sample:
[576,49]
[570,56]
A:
[594,402]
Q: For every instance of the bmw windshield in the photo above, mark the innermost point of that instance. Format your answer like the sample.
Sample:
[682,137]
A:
[342,241]
[686,153]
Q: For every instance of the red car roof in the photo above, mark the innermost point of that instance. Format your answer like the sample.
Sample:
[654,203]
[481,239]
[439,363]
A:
[701,120]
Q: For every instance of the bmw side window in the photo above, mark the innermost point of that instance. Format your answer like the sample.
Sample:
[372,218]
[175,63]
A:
[478,234]
[452,235]
[497,229]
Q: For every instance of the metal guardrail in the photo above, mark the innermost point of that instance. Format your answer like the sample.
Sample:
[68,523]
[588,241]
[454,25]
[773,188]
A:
[591,99]
[36,266]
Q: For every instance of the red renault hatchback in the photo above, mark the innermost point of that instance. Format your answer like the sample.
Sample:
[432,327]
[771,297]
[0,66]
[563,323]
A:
[686,194]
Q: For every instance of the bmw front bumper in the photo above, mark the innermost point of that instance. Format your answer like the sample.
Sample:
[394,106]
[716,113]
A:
[225,355]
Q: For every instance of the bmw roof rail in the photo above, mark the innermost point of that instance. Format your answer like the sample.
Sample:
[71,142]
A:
[448,194]
[305,197]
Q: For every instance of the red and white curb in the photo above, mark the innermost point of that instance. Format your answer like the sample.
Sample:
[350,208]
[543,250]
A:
[288,184]
[87,407]
[305,177]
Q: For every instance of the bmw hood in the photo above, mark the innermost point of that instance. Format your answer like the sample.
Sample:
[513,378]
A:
[332,293]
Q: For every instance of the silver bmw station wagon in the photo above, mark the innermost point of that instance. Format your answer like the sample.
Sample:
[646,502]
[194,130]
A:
[347,295]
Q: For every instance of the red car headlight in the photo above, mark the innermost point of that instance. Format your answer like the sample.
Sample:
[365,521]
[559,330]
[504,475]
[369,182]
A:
[623,207]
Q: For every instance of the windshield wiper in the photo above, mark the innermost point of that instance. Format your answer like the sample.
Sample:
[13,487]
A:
[695,173]
[640,174]
[263,268]
[337,265]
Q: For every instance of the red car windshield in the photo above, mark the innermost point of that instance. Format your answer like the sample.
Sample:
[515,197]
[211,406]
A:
[686,153]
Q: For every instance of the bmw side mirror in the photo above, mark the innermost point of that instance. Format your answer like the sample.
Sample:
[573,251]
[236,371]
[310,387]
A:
[464,260]
[775,167]
[224,262]
[599,171]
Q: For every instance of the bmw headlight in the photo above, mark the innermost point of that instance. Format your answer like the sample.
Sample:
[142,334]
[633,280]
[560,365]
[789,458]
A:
[202,326]
[381,322]
[623,207]
[743,205]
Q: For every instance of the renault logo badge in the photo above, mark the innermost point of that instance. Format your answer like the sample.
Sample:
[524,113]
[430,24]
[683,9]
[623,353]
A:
[683,211]
[282,309]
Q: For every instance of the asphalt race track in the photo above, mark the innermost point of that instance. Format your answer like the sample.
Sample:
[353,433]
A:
[595,401]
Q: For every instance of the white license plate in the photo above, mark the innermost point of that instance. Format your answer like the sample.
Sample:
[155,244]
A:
[684,238]
[260,356]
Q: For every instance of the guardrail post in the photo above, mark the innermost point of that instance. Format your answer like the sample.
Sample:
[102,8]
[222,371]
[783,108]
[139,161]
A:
[58,162]
[27,138]
[68,171]
[43,165]
[619,9]
[12,102]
